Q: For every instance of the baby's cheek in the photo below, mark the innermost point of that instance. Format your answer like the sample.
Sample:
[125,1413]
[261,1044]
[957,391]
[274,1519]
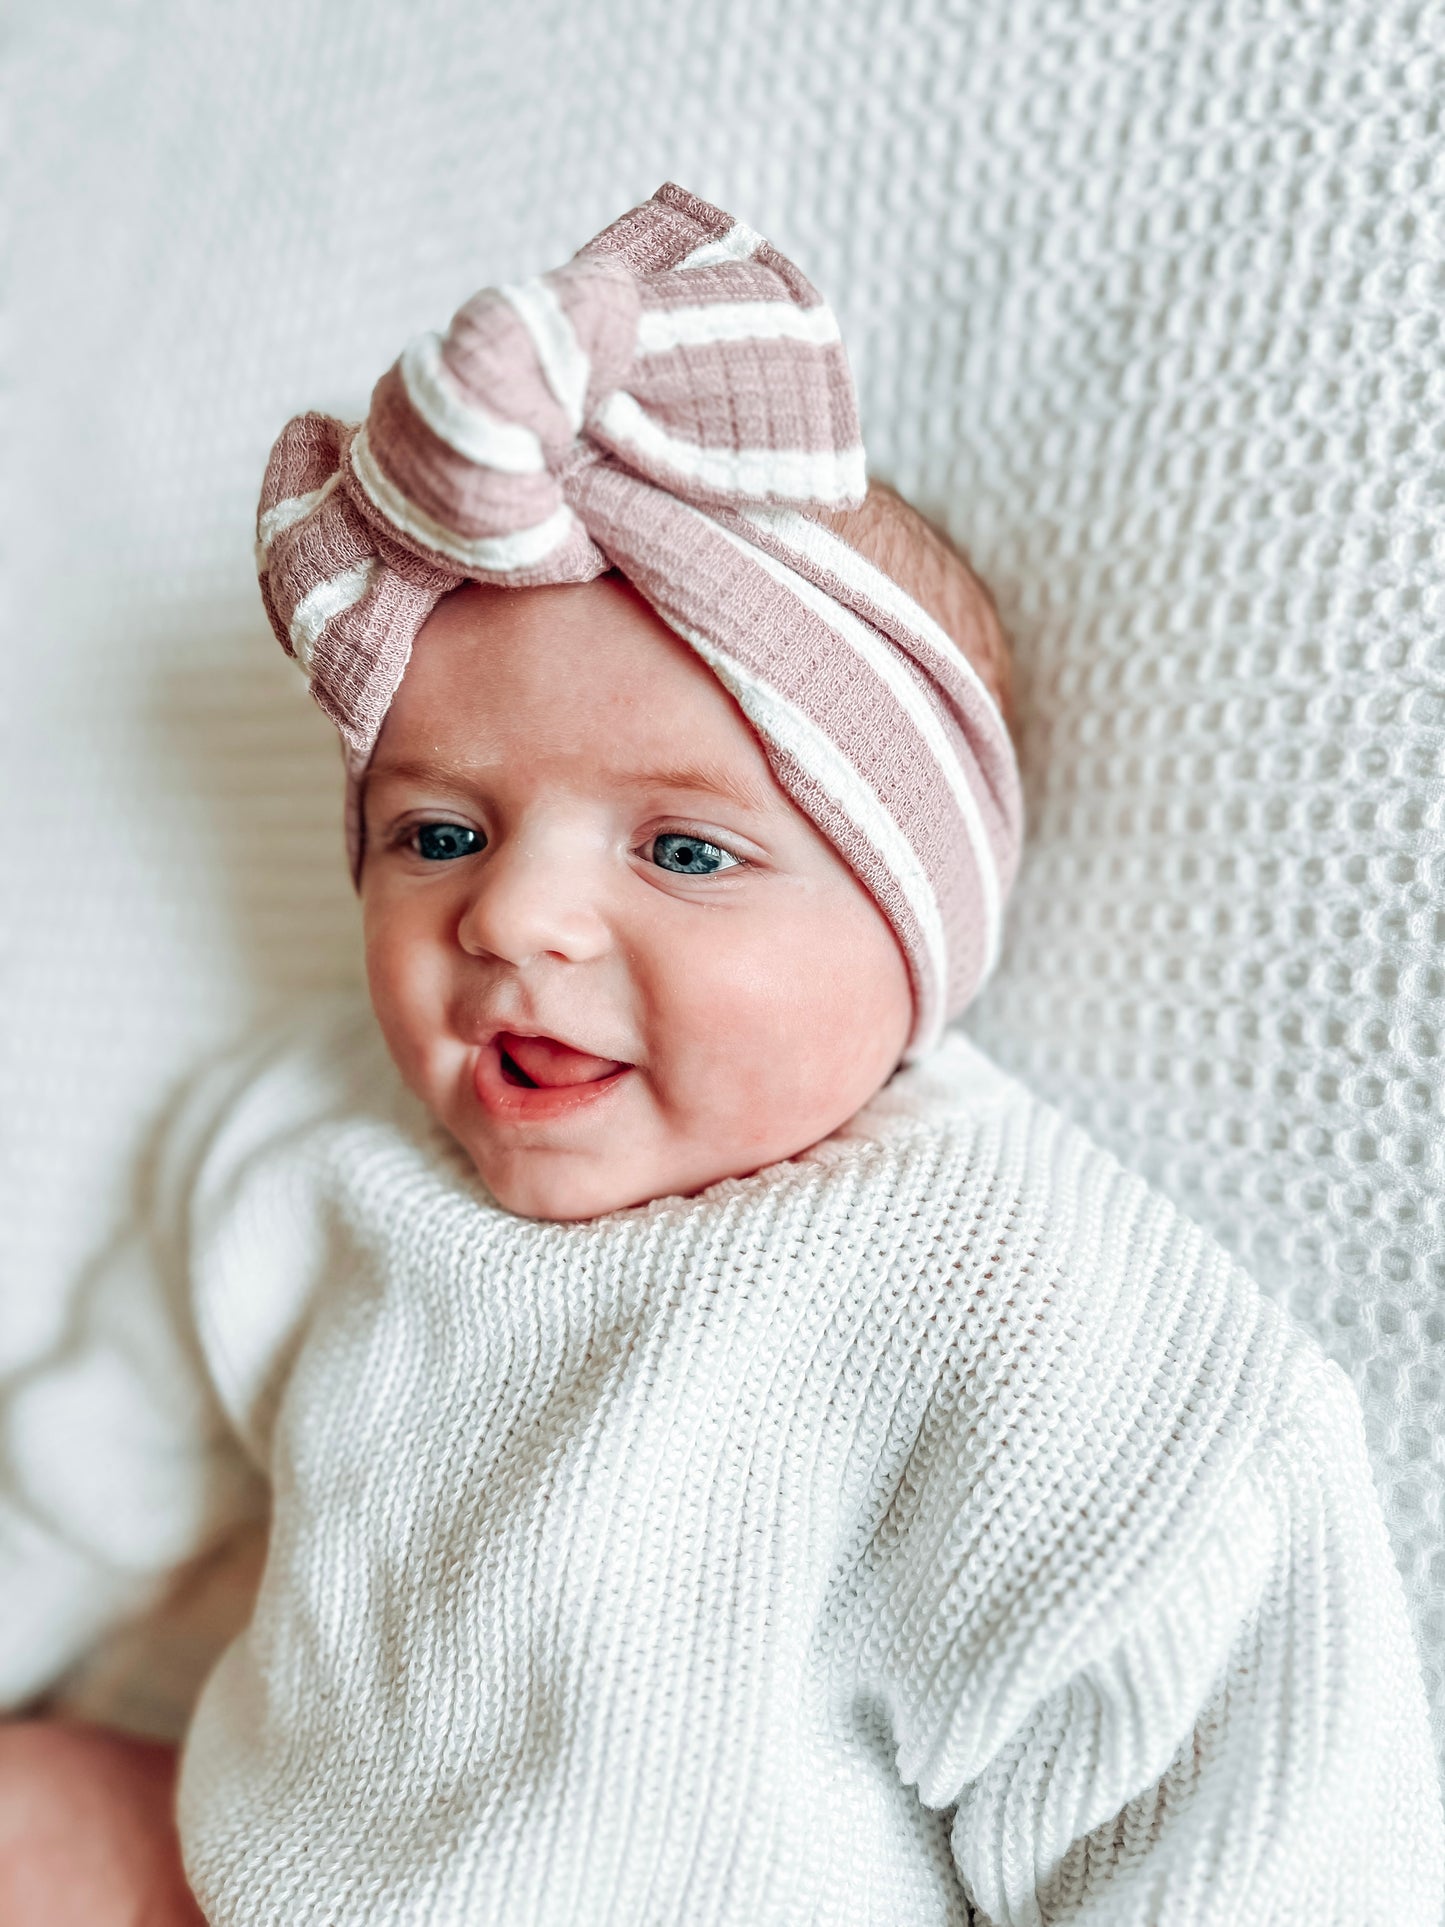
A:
[406,979]
[774,1042]
[388,972]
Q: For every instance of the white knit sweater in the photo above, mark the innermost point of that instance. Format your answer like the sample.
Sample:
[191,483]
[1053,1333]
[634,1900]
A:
[938,1514]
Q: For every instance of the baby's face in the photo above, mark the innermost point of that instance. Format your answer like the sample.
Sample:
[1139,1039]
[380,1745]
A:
[605,949]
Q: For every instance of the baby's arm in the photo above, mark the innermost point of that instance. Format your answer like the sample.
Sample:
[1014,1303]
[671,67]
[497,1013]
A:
[116,1462]
[117,1469]
[1134,1614]
[1251,1746]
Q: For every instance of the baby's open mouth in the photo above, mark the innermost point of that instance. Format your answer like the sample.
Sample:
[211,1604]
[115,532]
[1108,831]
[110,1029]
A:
[533,1079]
[542,1063]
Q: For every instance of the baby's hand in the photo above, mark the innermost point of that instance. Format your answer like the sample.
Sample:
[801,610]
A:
[87,1830]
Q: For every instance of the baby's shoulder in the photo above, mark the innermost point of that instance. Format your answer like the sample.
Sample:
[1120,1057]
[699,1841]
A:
[1041,1210]
[1066,1265]
[252,1171]
[262,1101]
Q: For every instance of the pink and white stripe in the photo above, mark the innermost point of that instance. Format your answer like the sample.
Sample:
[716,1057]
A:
[672,403]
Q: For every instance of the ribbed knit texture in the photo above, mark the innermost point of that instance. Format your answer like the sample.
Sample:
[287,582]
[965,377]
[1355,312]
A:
[694,1563]
[1145,299]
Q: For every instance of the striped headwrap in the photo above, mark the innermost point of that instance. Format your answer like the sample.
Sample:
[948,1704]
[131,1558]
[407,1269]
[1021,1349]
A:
[672,403]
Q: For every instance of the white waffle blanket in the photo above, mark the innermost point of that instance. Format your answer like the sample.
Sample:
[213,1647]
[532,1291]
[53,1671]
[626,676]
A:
[1145,299]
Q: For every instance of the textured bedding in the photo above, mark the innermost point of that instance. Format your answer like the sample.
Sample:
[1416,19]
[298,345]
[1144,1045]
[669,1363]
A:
[1143,300]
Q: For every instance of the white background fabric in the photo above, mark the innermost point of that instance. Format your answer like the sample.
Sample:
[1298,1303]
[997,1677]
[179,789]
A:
[1144,298]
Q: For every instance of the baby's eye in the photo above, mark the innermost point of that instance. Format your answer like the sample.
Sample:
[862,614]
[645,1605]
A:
[440,842]
[690,856]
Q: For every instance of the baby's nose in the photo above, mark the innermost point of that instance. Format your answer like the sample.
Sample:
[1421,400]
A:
[527,902]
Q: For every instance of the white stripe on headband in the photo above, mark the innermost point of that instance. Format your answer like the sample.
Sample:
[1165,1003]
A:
[819,544]
[285,515]
[828,474]
[782,722]
[881,657]
[463,424]
[659,329]
[522,549]
[562,358]
[740,243]
[328,599]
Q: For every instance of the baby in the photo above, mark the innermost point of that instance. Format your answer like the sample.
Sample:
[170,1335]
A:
[731,1454]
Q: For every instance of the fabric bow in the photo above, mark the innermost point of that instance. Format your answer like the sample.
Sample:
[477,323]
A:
[678,350]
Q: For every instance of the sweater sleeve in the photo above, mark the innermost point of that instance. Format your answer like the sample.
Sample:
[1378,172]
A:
[1133,1613]
[117,1464]
[1252,1745]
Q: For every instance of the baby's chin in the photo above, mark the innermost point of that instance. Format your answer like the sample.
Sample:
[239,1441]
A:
[566,1188]
[561,1197]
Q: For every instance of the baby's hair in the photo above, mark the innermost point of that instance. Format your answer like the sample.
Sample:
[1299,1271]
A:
[922,559]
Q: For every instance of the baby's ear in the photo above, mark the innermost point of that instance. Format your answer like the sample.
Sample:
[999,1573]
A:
[921,558]
[980,635]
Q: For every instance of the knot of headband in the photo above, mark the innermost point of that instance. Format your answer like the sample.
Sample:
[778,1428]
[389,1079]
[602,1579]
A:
[672,403]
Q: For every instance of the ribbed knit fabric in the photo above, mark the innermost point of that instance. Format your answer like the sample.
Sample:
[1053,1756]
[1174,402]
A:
[938,1513]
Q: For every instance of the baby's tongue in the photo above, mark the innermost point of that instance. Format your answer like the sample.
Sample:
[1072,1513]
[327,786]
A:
[549,1063]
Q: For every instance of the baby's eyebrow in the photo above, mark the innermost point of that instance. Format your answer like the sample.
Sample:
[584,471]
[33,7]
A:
[411,769]
[710,778]
[713,778]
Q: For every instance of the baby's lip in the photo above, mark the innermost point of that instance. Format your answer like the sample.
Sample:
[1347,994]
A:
[536,1060]
[531,1077]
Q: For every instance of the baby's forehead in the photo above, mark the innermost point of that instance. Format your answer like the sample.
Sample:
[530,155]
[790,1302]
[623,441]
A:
[575,680]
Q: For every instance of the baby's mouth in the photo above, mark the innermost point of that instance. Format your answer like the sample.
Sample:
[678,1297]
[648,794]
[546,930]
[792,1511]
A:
[542,1063]
[536,1080]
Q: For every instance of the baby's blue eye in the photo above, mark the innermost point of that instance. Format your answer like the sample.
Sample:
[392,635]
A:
[689,856]
[440,842]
